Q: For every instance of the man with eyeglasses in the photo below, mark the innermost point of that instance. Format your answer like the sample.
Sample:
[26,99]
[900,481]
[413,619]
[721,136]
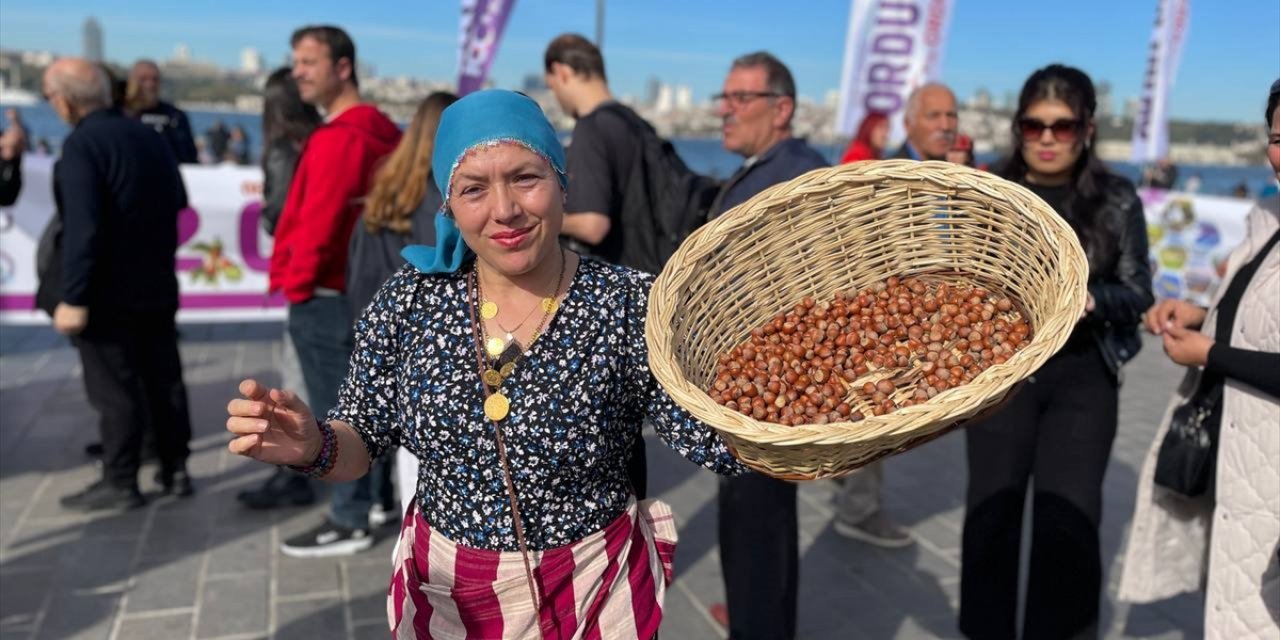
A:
[759,544]
[931,120]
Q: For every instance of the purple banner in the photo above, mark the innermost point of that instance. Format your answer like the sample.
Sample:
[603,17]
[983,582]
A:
[481,31]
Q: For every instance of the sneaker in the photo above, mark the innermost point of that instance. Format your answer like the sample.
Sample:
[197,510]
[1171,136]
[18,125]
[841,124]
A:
[380,515]
[176,483]
[327,540]
[283,488]
[875,529]
[102,496]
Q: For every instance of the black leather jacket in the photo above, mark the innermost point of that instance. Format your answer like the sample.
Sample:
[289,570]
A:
[1121,283]
[278,163]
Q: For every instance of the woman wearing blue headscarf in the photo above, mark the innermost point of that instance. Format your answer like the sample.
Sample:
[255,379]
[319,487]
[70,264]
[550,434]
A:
[517,373]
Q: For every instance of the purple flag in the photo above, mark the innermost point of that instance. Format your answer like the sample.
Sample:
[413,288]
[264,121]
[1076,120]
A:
[481,30]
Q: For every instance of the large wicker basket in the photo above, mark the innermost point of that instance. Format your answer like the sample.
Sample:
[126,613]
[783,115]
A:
[844,228]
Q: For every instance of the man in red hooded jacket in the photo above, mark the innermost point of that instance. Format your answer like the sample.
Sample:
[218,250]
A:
[309,260]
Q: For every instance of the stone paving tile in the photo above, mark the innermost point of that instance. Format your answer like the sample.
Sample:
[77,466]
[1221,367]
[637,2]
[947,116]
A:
[233,605]
[310,619]
[22,596]
[367,584]
[72,616]
[164,583]
[167,627]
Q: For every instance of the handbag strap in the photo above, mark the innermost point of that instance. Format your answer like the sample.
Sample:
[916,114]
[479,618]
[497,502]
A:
[502,455]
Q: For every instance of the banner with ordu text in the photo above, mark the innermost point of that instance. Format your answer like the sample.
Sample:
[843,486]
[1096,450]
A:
[892,47]
[221,263]
[1151,125]
[480,31]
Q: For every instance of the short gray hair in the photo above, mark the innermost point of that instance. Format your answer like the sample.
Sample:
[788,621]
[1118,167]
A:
[84,90]
[777,75]
[913,100]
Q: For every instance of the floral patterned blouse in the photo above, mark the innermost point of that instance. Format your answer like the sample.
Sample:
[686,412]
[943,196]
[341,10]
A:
[578,399]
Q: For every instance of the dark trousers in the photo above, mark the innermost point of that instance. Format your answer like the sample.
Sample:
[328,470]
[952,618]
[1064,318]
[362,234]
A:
[133,378]
[321,329]
[638,469]
[1056,432]
[759,556]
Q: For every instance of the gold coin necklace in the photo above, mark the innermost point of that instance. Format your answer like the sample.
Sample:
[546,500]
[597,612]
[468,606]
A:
[495,346]
[496,405]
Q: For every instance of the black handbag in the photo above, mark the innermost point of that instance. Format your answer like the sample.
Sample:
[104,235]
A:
[1189,452]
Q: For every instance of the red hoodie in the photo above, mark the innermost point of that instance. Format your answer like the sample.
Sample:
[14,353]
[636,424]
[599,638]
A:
[333,175]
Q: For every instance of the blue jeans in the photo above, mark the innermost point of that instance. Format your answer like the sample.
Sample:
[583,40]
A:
[322,336]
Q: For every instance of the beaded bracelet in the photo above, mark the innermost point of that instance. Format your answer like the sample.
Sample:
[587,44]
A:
[328,456]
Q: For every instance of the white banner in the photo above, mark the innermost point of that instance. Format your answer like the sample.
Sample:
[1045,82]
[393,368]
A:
[1190,238]
[222,260]
[893,46]
[1151,126]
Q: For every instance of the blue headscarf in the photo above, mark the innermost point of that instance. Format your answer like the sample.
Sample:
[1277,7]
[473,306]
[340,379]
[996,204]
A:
[482,118]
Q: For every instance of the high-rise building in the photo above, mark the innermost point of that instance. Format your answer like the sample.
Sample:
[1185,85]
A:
[92,39]
[684,97]
[182,53]
[652,88]
[666,99]
[250,61]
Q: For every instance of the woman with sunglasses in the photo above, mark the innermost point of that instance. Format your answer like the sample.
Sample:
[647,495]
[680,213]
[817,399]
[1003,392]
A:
[1056,431]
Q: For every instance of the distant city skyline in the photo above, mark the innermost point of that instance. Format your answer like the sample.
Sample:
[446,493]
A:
[993,45]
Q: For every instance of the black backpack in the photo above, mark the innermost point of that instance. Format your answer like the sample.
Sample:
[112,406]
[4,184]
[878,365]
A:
[664,201]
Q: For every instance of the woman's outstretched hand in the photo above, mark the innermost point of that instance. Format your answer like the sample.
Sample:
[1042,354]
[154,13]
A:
[273,426]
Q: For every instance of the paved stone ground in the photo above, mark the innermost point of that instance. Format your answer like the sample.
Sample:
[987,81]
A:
[204,568]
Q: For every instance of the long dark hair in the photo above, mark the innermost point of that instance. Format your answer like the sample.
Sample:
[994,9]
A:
[284,115]
[1089,176]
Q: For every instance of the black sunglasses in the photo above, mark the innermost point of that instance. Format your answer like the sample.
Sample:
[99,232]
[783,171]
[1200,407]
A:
[740,98]
[1063,130]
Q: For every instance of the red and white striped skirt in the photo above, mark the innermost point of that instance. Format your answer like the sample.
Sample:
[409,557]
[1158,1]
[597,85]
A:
[610,584]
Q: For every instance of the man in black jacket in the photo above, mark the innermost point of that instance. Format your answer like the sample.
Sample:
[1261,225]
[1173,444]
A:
[758,526]
[118,190]
[144,103]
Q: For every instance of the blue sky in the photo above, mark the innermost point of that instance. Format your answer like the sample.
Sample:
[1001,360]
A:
[1231,56]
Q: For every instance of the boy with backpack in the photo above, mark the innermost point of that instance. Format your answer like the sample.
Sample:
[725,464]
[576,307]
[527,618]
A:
[631,199]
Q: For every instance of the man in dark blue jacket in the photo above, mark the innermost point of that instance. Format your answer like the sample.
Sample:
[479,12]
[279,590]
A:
[759,544]
[118,190]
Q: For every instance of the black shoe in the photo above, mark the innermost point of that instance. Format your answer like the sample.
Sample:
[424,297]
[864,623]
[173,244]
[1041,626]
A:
[103,495]
[283,488]
[94,450]
[327,540]
[176,483]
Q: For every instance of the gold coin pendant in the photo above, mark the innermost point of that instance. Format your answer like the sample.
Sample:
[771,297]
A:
[494,346]
[507,369]
[488,310]
[496,407]
[492,378]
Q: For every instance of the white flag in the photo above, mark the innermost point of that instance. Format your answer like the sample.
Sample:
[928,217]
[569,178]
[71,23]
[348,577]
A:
[1151,125]
[893,46]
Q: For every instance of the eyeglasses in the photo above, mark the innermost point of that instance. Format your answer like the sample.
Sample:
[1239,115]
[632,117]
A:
[741,98]
[1063,130]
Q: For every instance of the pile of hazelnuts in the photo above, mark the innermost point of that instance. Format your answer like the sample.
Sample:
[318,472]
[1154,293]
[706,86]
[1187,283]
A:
[895,344]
